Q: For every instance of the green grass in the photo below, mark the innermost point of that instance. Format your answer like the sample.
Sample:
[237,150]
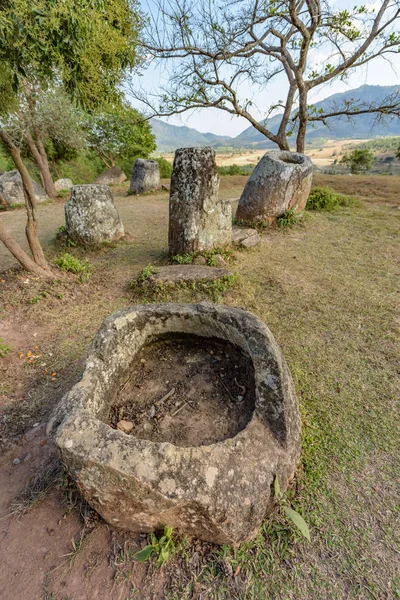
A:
[325,198]
[67,262]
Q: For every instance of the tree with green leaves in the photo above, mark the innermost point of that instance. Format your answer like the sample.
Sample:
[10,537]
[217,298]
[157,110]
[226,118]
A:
[118,133]
[45,125]
[358,160]
[86,47]
[213,51]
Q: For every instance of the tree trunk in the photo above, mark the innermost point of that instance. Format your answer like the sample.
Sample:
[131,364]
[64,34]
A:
[303,118]
[20,255]
[32,225]
[39,154]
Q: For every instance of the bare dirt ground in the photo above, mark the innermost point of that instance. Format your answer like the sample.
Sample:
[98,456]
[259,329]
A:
[187,392]
[329,290]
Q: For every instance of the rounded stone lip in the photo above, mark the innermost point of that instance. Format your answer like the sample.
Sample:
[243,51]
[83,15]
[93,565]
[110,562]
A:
[290,158]
[270,367]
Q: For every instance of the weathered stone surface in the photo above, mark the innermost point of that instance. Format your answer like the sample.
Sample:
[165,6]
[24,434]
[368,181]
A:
[12,190]
[185,273]
[91,216]
[245,236]
[198,219]
[220,492]
[145,177]
[63,184]
[113,176]
[281,180]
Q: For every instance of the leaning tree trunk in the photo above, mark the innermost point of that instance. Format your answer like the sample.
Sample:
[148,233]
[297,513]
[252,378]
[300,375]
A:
[303,117]
[39,154]
[32,225]
[20,255]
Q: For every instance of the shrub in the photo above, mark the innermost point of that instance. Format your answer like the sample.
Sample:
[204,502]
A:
[324,198]
[165,168]
[69,263]
[236,170]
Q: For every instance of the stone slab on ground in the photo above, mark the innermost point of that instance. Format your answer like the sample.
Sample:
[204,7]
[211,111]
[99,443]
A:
[245,236]
[186,274]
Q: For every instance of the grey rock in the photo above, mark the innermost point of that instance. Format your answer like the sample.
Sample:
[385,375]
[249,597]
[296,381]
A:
[280,181]
[12,190]
[16,461]
[199,260]
[198,219]
[91,216]
[221,492]
[172,274]
[63,184]
[221,262]
[145,177]
[113,176]
[245,237]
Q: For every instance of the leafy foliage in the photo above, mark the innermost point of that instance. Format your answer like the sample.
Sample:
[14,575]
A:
[289,218]
[162,548]
[358,160]
[165,168]
[118,133]
[290,513]
[87,45]
[325,198]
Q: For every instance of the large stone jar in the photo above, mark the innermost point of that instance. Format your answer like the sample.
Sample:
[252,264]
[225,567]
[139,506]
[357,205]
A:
[219,492]
[280,181]
[145,177]
[198,219]
[91,216]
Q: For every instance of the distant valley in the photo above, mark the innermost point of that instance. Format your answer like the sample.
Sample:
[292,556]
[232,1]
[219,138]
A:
[170,137]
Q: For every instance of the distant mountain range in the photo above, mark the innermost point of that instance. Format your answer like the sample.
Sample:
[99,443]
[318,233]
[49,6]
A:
[170,137]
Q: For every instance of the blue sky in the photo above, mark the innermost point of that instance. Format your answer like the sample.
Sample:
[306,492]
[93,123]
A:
[378,72]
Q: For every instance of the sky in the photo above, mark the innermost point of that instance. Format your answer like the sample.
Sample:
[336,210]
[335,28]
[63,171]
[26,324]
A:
[377,72]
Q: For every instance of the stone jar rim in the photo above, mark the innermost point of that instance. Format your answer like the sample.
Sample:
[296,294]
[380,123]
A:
[136,326]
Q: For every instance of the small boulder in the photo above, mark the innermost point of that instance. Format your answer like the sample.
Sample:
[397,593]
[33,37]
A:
[280,181]
[245,237]
[12,190]
[145,177]
[219,261]
[63,184]
[199,260]
[91,216]
[113,176]
[125,426]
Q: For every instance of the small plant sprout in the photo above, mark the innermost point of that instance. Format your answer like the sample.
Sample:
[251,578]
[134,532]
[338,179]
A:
[145,273]
[162,548]
[291,514]
[4,348]
[289,218]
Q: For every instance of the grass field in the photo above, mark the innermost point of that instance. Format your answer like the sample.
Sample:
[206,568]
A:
[329,290]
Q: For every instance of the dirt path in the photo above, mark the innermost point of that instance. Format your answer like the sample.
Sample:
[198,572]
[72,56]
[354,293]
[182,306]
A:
[131,209]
